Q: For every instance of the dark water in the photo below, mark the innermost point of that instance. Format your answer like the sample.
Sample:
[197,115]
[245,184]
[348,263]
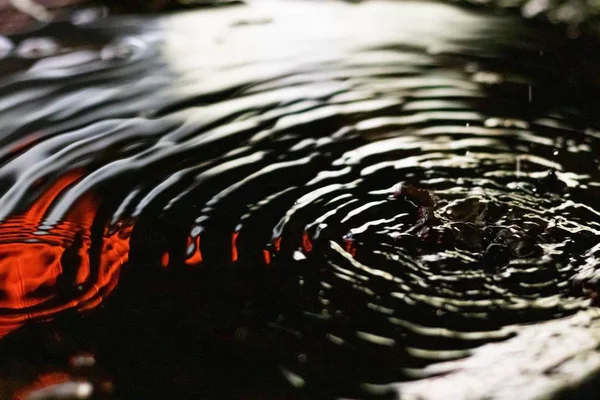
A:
[294,201]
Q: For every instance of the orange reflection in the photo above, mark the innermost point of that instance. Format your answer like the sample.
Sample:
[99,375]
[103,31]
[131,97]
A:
[35,268]
[43,381]
[350,247]
[267,255]
[115,252]
[234,251]
[196,257]
[52,378]
[164,260]
[306,244]
[277,243]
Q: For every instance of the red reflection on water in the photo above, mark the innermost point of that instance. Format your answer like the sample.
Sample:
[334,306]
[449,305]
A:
[277,243]
[42,381]
[196,257]
[272,249]
[115,253]
[306,244]
[31,264]
[164,259]
[350,247]
[234,251]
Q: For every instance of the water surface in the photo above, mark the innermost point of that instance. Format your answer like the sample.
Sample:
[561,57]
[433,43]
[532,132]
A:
[291,200]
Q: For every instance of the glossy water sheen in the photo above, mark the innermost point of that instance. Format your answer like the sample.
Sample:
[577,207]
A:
[295,200]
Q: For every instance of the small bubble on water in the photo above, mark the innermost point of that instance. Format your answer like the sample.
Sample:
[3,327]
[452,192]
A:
[65,390]
[472,67]
[84,390]
[116,52]
[489,78]
[6,46]
[88,15]
[534,7]
[82,360]
[37,47]
[294,379]
[122,49]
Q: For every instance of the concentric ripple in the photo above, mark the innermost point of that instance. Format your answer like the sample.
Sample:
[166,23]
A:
[417,194]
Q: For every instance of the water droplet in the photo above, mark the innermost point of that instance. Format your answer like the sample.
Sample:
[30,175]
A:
[534,7]
[294,379]
[505,123]
[64,390]
[122,49]
[6,46]
[488,78]
[88,15]
[472,67]
[298,255]
[82,360]
[37,47]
